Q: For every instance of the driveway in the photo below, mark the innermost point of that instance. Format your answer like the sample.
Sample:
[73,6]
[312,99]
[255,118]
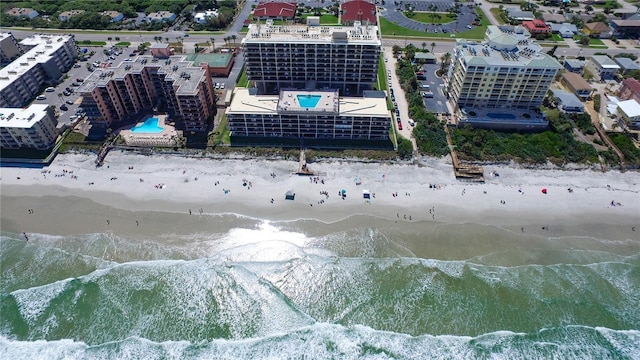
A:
[438,103]
[399,94]
[394,13]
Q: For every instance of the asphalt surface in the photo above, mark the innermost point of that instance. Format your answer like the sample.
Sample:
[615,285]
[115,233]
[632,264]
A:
[394,13]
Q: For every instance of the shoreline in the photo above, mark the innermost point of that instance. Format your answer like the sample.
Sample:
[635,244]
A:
[174,185]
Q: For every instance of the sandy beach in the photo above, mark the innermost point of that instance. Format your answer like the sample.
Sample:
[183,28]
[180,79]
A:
[181,194]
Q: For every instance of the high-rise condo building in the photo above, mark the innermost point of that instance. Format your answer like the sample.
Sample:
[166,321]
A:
[9,48]
[47,59]
[32,127]
[312,57]
[119,95]
[506,71]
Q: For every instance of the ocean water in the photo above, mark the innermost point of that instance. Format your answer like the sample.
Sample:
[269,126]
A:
[360,288]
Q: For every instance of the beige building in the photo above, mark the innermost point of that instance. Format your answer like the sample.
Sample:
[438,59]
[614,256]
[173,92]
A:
[309,115]
[9,49]
[66,15]
[33,127]
[507,71]
[300,56]
[577,85]
[119,95]
[47,58]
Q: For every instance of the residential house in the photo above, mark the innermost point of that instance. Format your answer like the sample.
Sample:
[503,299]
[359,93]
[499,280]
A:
[565,30]
[626,29]
[33,127]
[358,10]
[22,12]
[516,14]
[536,27]
[626,64]
[276,10]
[629,110]
[577,85]
[602,67]
[114,15]
[598,30]
[574,66]
[202,17]
[66,15]
[553,18]
[568,102]
[630,89]
[161,16]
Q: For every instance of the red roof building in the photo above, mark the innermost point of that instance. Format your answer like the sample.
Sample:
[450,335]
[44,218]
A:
[275,10]
[630,89]
[536,27]
[358,10]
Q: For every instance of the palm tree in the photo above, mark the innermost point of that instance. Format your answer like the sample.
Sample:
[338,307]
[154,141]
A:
[234,37]
[109,39]
[433,46]
[446,59]
[167,39]
[213,43]
[424,45]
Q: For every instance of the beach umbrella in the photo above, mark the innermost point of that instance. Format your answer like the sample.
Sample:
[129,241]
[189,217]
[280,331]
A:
[343,191]
[544,191]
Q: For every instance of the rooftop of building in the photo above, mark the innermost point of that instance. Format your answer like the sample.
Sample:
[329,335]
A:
[185,75]
[71,12]
[275,9]
[22,117]
[604,62]
[633,84]
[358,34]
[567,98]
[246,103]
[574,63]
[44,45]
[18,11]
[626,63]
[576,81]
[626,22]
[505,46]
[359,10]
[213,60]
[4,35]
[631,108]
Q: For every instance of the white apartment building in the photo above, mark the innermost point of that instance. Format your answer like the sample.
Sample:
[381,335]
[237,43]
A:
[312,57]
[506,71]
[47,58]
[33,127]
[9,49]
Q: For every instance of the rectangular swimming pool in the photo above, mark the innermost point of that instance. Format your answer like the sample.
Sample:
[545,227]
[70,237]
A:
[501,116]
[150,126]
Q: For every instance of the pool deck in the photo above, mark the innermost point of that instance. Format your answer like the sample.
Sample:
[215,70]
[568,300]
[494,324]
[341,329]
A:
[288,101]
[166,137]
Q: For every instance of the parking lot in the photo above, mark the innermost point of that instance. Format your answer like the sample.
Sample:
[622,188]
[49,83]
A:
[69,104]
[393,11]
[437,103]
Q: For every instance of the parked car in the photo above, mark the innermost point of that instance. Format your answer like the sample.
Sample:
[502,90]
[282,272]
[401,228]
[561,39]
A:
[80,80]
[399,125]
[76,65]
[66,93]
[41,97]
[64,107]
[411,122]
[50,89]
[69,102]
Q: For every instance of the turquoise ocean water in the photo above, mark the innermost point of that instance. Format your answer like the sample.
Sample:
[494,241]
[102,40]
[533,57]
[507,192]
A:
[359,288]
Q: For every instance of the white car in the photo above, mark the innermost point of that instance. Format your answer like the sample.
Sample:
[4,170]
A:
[41,97]
[50,89]
[222,86]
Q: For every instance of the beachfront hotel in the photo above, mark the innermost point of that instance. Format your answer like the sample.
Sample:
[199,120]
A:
[505,74]
[311,116]
[312,57]
[312,85]
[33,127]
[120,95]
[46,60]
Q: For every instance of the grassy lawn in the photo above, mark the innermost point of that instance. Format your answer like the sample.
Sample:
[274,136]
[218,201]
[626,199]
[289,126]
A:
[496,13]
[123,44]
[593,41]
[477,32]
[243,81]
[556,37]
[325,19]
[430,18]
[93,43]
[382,84]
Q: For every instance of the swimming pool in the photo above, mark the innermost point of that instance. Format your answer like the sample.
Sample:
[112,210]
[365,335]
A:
[150,126]
[501,116]
[308,101]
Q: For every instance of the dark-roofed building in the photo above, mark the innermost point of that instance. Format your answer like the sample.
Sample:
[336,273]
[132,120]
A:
[553,18]
[630,89]
[574,66]
[629,29]
[278,10]
[358,10]
[566,30]
[576,84]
